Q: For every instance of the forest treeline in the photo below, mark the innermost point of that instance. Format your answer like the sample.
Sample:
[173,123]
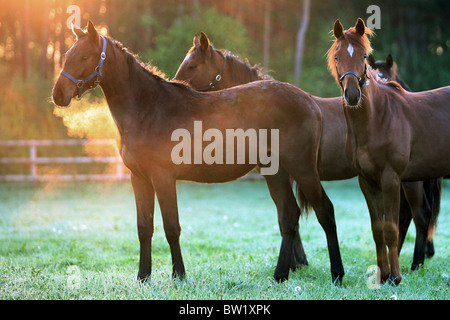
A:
[34,36]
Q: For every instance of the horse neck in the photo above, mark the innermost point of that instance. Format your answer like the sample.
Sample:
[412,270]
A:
[364,119]
[122,83]
[240,72]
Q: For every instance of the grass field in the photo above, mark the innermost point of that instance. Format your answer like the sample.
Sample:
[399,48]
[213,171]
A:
[79,241]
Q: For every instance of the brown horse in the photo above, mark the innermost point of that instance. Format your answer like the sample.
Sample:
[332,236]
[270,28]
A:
[392,136]
[152,114]
[387,71]
[419,200]
[203,62]
[209,69]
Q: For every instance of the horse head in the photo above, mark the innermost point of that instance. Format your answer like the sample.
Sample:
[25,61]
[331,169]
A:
[347,60]
[83,66]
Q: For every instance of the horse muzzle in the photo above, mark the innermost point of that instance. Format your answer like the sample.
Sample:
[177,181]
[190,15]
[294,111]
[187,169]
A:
[62,97]
[352,96]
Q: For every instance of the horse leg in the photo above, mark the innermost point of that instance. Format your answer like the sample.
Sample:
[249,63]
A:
[433,188]
[145,200]
[309,184]
[298,253]
[373,196]
[299,256]
[288,215]
[405,217]
[165,188]
[421,213]
[390,187]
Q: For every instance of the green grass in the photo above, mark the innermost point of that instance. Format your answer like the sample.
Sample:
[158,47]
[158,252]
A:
[79,241]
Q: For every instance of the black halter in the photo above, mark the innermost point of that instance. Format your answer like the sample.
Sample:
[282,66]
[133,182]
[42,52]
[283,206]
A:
[361,81]
[218,77]
[98,72]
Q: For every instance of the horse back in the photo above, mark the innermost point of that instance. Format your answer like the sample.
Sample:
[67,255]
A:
[428,115]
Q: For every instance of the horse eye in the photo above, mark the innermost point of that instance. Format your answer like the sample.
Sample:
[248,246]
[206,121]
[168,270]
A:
[380,75]
[192,67]
[335,57]
[85,57]
[365,56]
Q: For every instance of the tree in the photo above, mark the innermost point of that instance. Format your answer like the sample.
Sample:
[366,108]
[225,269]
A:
[45,39]
[267,9]
[300,42]
[26,55]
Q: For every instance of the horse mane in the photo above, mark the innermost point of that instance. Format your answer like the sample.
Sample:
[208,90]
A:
[150,70]
[355,40]
[241,70]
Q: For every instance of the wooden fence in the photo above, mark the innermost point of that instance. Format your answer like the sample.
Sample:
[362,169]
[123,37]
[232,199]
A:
[34,161]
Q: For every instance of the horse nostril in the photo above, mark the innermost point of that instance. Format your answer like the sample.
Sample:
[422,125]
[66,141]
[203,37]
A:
[352,96]
[346,94]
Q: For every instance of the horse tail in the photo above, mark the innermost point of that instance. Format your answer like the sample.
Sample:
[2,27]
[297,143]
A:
[304,205]
[302,201]
[432,189]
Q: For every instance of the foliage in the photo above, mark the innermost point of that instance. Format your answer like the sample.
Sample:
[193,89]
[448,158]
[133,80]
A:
[172,44]
[33,37]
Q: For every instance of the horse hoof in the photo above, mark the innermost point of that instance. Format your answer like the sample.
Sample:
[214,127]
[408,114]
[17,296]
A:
[415,267]
[298,265]
[337,277]
[179,275]
[394,280]
[281,278]
[143,277]
[429,250]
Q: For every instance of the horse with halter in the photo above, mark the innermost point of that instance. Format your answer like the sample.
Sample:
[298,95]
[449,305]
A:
[386,71]
[419,200]
[392,136]
[148,109]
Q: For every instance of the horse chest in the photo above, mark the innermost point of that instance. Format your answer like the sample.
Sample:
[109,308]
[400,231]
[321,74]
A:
[363,161]
[132,158]
[357,146]
[127,157]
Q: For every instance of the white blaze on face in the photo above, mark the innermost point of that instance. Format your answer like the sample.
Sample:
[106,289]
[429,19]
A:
[187,58]
[350,50]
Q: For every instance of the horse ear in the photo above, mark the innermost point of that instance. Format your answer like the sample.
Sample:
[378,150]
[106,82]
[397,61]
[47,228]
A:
[204,42]
[389,61]
[360,27]
[338,29]
[371,60]
[77,31]
[196,40]
[92,32]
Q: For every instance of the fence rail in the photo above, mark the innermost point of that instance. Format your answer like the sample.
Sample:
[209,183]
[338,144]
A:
[34,161]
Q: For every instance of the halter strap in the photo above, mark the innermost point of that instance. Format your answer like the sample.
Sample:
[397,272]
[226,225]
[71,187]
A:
[361,81]
[98,72]
[218,77]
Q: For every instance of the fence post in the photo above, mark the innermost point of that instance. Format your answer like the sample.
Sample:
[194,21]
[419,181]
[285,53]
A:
[33,164]
[33,160]
[120,175]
